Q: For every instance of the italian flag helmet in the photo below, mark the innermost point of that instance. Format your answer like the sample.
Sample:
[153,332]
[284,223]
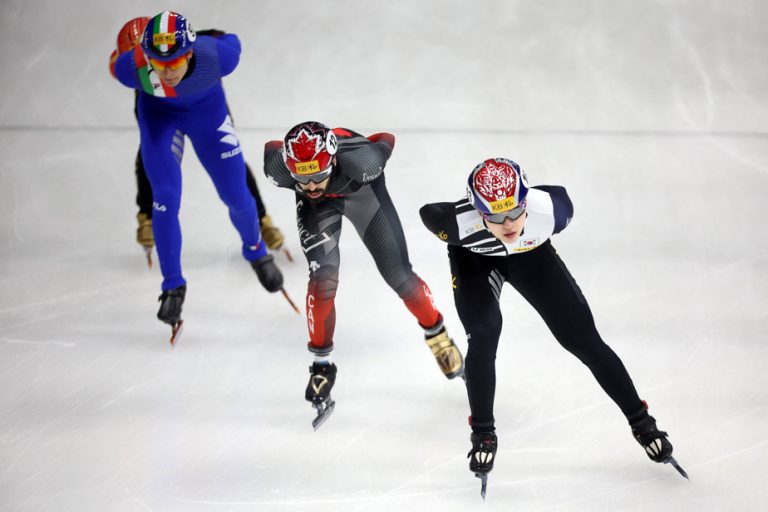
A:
[168,36]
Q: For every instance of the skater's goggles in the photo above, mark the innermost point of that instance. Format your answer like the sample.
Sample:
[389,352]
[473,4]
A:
[499,218]
[317,177]
[173,65]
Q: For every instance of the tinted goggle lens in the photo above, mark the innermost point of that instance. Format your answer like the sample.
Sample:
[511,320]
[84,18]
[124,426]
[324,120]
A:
[317,177]
[171,64]
[499,218]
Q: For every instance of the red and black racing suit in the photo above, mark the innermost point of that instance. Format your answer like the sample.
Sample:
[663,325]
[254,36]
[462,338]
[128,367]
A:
[356,190]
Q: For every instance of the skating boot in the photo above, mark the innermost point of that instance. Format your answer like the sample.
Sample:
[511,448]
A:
[321,379]
[271,235]
[171,302]
[481,456]
[655,442]
[144,235]
[446,352]
[269,275]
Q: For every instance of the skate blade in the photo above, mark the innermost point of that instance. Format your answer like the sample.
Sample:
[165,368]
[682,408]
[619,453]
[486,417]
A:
[148,253]
[288,298]
[671,460]
[324,411]
[288,255]
[176,330]
[483,483]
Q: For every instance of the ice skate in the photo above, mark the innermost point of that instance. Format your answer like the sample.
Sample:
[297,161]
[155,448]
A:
[446,352]
[321,380]
[655,442]
[144,235]
[271,278]
[482,456]
[268,273]
[171,302]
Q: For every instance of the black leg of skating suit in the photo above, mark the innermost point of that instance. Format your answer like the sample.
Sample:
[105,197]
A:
[143,188]
[254,188]
[542,279]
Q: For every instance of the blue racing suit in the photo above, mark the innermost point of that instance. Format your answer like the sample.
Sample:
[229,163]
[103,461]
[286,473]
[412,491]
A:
[195,108]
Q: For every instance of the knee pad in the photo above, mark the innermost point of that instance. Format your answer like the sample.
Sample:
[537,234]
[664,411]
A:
[324,282]
[410,288]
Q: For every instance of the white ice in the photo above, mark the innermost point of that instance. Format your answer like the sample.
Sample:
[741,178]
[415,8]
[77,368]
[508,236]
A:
[652,114]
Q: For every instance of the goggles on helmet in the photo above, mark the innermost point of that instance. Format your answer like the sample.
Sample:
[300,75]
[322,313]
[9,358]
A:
[308,151]
[499,218]
[317,177]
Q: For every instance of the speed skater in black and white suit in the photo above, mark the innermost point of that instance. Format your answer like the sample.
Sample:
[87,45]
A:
[501,234]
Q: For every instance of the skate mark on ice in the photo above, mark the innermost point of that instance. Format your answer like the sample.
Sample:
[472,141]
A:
[564,504]
[63,344]
[695,59]
[67,298]
[137,500]
[728,455]
[364,501]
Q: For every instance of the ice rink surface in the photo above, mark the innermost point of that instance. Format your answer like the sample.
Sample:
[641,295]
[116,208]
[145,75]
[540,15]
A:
[652,114]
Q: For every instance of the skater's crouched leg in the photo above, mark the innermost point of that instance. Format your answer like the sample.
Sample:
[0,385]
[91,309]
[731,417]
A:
[321,312]
[480,367]
[321,320]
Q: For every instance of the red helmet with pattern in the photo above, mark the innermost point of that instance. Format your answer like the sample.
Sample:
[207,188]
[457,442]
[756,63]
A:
[168,36]
[131,34]
[308,151]
[497,185]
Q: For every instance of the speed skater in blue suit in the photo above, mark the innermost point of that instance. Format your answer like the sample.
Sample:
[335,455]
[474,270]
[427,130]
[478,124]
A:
[178,78]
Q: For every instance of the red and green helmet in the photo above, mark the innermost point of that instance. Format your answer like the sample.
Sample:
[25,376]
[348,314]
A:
[168,36]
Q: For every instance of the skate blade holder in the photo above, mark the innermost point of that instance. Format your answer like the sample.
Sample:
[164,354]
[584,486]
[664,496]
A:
[324,411]
[483,483]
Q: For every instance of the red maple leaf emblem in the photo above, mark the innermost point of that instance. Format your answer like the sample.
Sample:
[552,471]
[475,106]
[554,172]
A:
[305,146]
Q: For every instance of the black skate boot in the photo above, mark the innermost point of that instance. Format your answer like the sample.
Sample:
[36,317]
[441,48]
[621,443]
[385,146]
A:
[321,379]
[482,456]
[446,352]
[269,275]
[171,302]
[655,442]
